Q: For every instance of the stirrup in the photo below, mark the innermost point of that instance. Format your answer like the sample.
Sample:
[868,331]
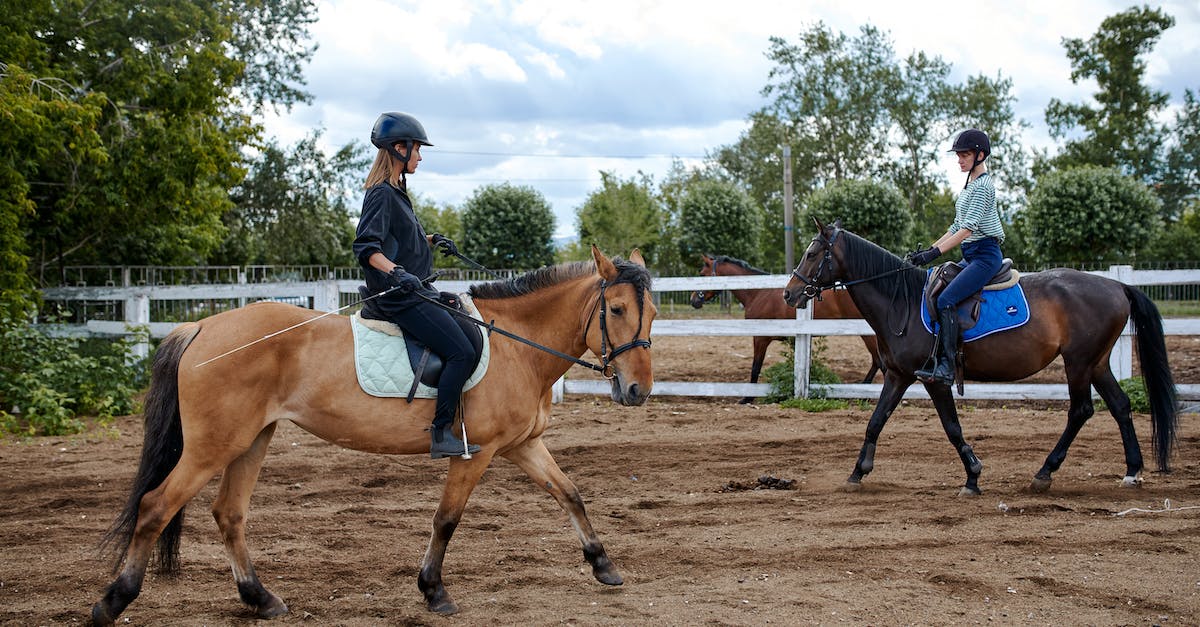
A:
[442,443]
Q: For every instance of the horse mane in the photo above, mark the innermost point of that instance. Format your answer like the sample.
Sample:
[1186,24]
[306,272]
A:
[865,258]
[534,280]
[738,262]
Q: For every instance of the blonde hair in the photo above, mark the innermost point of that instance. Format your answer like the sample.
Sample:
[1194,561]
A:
[386,168]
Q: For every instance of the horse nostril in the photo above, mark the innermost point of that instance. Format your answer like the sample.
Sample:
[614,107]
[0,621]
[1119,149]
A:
[633,391]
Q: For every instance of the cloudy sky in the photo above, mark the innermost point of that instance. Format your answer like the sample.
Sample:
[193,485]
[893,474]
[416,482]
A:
[547,93]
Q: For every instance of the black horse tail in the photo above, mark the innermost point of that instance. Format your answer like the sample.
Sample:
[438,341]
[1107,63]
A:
[161,449]
[1160,385]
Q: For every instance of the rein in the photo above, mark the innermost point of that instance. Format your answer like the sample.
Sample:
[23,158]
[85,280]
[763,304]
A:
[606,356]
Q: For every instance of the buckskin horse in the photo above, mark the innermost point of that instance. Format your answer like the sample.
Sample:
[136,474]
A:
[220,418]
[1074,314]
[765,304]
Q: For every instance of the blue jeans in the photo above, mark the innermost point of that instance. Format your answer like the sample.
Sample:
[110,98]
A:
[982,259]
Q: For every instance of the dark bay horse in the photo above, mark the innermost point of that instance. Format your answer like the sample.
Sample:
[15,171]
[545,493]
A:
[219,418]
[1074,314]
[766,304]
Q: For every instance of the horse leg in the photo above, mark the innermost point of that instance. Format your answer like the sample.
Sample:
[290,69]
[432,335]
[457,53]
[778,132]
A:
[1079,389]
[229,510]
[460,481]
[943,401]
[876,364]
[1120,408]
[155,511]
[889,398]
[536,461]
[760,354]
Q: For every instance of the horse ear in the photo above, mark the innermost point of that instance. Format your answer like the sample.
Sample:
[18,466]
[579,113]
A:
[636,257]
[817,221]
[837,224]
[604,265]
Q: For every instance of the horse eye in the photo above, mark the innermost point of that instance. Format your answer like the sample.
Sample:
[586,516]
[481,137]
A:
[618,310]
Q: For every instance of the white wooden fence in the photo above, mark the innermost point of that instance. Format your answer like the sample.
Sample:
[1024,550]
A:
[325,297]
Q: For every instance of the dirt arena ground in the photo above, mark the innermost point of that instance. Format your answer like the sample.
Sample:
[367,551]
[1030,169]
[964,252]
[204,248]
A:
[339,534]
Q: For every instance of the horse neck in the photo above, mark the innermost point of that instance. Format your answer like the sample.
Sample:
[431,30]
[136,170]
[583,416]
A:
[750,299]
[553,316]
[882,302]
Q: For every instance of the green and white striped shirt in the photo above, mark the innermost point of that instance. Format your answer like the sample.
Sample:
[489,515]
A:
[975,210]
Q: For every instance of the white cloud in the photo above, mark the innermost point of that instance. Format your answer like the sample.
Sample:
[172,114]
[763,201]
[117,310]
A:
[649,77]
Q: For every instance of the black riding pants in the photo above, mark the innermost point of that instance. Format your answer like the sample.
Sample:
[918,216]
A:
[437,329]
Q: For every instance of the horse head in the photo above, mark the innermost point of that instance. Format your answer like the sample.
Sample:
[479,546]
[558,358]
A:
[816,271]
[624,312]
[709,268]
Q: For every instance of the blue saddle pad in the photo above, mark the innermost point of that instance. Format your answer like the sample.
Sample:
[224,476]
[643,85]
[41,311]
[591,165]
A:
[1000,310]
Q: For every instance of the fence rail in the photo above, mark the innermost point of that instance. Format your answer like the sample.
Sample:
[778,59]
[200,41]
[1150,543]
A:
[330,295]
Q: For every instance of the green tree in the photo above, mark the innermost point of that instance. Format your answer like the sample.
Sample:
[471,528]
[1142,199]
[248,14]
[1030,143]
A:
[294,206]
[507,226]
[719,218]
[1121,130]
[622,215]
[876,211]
[1090,213]
[166,87]
[1180,186]
[442,218]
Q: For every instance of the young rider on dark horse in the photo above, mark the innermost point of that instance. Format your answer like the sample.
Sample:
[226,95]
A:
[978,230]
[394,251]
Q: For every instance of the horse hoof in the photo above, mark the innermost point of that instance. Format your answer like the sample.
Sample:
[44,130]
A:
[965,491]
[1040,485]
[276,607]
[445,607]
[609,578]
[100,615]
[1134,481]
[852,486]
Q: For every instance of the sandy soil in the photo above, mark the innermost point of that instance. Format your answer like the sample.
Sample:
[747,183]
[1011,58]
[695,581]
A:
[339,534]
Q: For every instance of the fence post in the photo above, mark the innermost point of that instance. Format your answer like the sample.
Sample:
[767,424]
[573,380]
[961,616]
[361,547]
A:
[1121,358]
[802,354]
[325,296]
[137,313]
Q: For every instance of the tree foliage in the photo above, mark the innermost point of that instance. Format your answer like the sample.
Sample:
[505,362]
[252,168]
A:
[622,215]
[508,227]
[294,207]
[1121,130]
[876,211]
[132,119]
[1090,213]
[718,218]
[1180,188]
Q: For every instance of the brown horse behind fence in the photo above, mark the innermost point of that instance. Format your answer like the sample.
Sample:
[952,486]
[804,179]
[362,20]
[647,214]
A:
[219,418]
[766,304]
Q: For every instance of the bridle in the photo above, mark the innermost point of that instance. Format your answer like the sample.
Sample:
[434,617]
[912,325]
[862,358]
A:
[711,294]
[606,355]
[813,290]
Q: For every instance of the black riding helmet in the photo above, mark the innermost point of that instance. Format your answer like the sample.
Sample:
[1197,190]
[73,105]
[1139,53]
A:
[395,127]
[976,140]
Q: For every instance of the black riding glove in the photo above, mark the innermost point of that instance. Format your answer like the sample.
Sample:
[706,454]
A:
[445,243]
[404,282]
[923,257]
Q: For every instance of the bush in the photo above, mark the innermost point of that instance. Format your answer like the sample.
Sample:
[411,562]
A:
[47,383]
[876,211]
[1090,213]
[781,376]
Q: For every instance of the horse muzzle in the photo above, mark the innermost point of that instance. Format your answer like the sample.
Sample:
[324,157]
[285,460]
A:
[629,394]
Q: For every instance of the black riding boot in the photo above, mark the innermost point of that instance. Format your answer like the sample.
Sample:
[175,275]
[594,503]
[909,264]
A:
[943,369]
[443,443]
